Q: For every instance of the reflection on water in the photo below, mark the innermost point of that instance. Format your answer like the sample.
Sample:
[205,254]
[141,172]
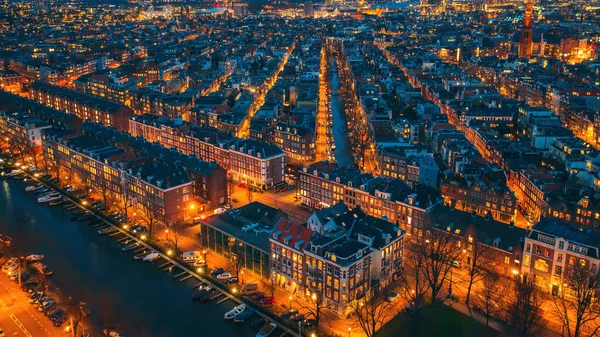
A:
[133,296]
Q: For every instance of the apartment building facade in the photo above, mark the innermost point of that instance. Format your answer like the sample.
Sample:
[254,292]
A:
[23,130]
[337,260]
[161,190]
[553,248]
[323,184]
[84,106]
[246,160]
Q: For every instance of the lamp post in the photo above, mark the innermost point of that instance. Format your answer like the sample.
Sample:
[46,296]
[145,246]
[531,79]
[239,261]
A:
[167,233]
[204,254]
[349,329]
[242,277]
[290,298]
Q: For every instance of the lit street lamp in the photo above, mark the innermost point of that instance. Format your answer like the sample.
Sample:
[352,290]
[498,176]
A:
[349,329]
[290,298]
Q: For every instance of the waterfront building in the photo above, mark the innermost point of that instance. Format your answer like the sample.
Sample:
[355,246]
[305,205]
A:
[23,130]
[160,189]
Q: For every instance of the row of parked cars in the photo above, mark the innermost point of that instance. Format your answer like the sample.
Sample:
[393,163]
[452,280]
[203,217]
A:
[38,298]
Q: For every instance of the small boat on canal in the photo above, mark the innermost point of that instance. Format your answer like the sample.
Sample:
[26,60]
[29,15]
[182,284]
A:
[41,268]
[112,333]
[244,316]
[151,257]
[203,290]
[107,230]
[57,202]
[34,257]
[131,246]
[234,312]
[211,295]
[140,255]
[33,188]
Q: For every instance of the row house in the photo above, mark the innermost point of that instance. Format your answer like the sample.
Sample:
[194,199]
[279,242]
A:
[84,106]
[209,179]
[339,259]
[323,184]
[553,248]
[22,106]
[413,169]
[480,195]
[162,190]
[532,187]
[23,130]
[501,244]
[246,160]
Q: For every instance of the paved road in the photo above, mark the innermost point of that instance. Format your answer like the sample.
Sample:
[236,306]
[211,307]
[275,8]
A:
[18,317]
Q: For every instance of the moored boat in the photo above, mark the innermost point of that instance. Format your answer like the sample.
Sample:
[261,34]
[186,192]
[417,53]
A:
[235,311]
[112,333]
[41,268]
[266,330]
[151,257]
[131,246]
[35,257]
[140,255]
[107,230]
[33,188]
[210,296]
[244,316]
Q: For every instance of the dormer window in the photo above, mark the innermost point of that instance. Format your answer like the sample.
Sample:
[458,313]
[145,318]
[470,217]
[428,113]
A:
[313,248]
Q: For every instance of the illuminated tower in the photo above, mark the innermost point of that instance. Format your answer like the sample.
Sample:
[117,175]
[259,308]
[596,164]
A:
[525,44]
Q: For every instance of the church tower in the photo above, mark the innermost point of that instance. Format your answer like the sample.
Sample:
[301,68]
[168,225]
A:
[526,41]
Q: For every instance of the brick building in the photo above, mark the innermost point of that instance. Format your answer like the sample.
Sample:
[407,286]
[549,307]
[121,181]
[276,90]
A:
[323,184]
[84,106]
[250,161]
[553,247]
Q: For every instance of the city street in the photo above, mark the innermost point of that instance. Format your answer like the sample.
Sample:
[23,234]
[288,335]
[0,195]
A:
[18,317]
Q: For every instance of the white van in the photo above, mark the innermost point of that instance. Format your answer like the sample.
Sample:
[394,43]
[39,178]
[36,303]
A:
[192,256]
[249,288]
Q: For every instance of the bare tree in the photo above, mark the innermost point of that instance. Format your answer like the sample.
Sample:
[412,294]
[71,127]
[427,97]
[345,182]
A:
[127,199]
[490,295]
[104,191]
[313,305]
[577,307]
[237,257]
[414,286]
[479,261]
[440,252]
[371,313]
[149,214]
[177,236]
[524,311]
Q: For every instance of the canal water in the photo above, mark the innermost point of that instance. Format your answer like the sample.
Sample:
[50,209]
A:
[134,297]
[343,151]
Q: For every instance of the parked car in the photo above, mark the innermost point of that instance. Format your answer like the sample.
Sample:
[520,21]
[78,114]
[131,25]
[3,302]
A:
[233,280]
[267,301]
[242,185]
[224,276]
[217,272]
[258,296]
[60,320]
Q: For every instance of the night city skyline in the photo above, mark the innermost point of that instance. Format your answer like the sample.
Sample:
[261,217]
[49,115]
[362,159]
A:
[323,168]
